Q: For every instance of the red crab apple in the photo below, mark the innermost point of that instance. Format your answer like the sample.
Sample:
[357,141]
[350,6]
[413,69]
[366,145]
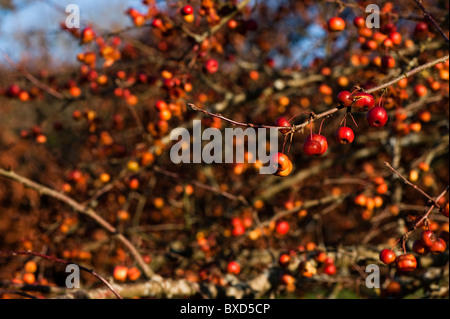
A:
[283,164]
[344,135]
[233,268]
[387,62]
[87,35]
[344,98]
[406,262]
[187,9]
[336,24]
[387,256]
[438,246]
[377,117]
[281,121]
[211,65]
[359,22]
[428,238]
[282,227]
[330,269]
[311,148]
[362,102]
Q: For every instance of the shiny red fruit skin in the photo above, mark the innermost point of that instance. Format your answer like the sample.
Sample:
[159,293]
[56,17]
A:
[344,98]
[323,142]
[387,62]
[281,121]
[377,117]
[187,10]
[420,28]
[311,147]
[282,228]
[387,256]
[212,66]
[157,23]
[406,263]
[344,135]
[330,269]
[233,267]
[362,102]
[428,238]
[438,246]
[359,22]
[420,248]
[281,160]
[336,24]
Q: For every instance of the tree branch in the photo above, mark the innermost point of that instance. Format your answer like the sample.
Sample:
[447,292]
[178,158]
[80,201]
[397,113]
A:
[82,209]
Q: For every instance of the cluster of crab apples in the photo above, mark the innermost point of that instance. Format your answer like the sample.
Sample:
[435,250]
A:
[317,144]
[427,243]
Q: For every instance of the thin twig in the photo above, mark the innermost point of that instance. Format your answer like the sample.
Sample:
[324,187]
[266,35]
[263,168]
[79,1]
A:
[428,15]
[417,188]
[91,271]
[418,69]
[82,209]
[32,79]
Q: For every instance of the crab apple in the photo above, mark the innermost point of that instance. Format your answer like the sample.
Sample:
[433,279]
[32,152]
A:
[287,279]
[344,98]
[362,102]
[284,260]
[187,10]
[445,211]
[330,269]
[13,90]
[238,230]
[165,115]
[320,257]
[323,142]
[428,238]
[344,135]
[133,273]
[232,24]
[120,273]
[281,160]
[387,256]
[420,90]
[421,28]
[30,266]
[189,18]
[29,278]
[160,105]
[420,248]
[359,22]
[438,246]
[283,164]
[282,227]
[87,35]
[311,147]
[157,23]
[233,268]
[211,65]
[395,37]
[286,171]
[377,117]
[336,24]
[387,62]
[281,121]
[406,262]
